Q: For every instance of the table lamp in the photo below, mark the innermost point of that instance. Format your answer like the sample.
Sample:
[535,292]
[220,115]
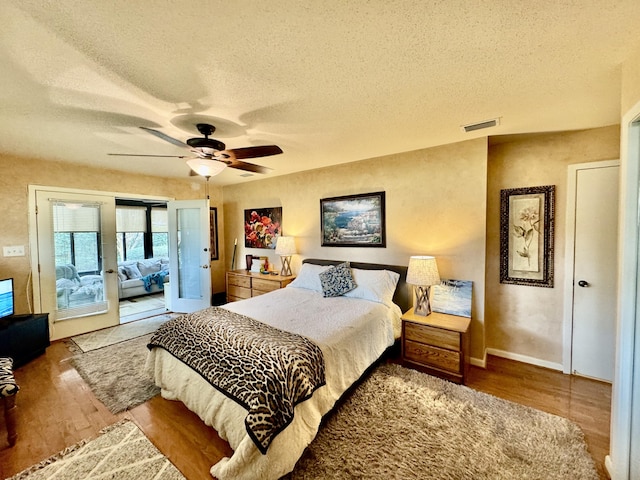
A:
[285,247]
[422,272]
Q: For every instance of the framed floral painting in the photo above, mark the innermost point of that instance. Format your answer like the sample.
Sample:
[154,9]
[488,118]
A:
[262,227]
[526,235]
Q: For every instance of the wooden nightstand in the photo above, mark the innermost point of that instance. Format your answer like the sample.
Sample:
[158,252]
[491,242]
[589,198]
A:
[437,344]
[242,284]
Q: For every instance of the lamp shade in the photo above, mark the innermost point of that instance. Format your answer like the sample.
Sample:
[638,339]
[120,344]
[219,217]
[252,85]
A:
[423,271]
[285,246]
[206,167]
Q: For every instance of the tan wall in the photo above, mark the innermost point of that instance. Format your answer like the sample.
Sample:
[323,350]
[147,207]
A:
[435,204]
[527,320]
[630,90]
[18,173]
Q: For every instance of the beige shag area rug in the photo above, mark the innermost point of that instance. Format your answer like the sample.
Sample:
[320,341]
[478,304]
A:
[403,424]
[121,452]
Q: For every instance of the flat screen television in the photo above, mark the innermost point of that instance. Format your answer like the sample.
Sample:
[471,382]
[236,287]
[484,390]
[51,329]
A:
[6,298]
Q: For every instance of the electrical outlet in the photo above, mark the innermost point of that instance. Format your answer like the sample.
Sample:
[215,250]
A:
[13,251]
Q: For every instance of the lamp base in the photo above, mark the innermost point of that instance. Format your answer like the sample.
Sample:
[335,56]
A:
[423,306]
[286,266]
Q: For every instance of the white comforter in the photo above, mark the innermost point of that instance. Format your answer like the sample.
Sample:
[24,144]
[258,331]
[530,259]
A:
[352,334]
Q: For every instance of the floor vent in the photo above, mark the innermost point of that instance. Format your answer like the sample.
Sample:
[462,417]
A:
[480,125]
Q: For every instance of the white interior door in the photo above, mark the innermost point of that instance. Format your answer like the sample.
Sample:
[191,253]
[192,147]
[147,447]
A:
[189,259]
[595,272]
[75,279]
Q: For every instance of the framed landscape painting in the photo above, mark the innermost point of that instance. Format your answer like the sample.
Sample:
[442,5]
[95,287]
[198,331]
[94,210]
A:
[353,220]
[526,235]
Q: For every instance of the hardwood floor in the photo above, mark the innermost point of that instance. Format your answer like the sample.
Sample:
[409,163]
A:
[56,409]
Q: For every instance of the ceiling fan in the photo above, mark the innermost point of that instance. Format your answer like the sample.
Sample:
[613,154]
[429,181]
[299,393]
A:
[211,155]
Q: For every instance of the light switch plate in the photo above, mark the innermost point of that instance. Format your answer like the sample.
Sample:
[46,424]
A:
[13,251]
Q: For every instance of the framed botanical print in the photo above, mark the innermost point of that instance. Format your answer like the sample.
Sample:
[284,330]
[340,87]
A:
[526,235]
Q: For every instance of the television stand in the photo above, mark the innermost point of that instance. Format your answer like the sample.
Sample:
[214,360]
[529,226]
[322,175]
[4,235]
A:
[24,337]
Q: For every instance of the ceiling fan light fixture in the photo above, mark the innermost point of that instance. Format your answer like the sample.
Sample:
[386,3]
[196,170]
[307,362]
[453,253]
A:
[206,167]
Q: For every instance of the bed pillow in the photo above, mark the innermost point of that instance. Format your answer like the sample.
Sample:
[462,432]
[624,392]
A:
[337,281]
[309,277]
[374,285]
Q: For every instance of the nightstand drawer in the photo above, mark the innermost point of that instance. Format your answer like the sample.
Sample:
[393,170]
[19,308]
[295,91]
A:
[238,292]
[239,281]
[264,285]
[433,356]
[433,336]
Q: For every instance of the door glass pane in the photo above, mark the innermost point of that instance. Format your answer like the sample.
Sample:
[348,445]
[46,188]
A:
[78,259]
[189,232]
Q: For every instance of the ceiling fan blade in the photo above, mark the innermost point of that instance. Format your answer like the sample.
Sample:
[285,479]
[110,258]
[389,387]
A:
[255,152]
[144,155]
[249,167]
[165,137]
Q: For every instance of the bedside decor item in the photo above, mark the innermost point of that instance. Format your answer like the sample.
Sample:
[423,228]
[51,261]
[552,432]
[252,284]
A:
[285,247]
[262,227]
[452,297]
[257,264]
[422,273]
[249,261]
[233,258]
[353,220]
[526,235]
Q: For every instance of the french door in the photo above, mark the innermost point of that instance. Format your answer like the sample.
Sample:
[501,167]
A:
[75,261]
[189,255]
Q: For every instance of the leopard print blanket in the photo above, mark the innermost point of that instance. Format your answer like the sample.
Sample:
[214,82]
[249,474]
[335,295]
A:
[266,370]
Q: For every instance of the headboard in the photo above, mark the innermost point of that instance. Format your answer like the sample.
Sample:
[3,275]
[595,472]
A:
[402,296]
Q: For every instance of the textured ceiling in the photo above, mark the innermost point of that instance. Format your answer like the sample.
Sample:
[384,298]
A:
[329,81]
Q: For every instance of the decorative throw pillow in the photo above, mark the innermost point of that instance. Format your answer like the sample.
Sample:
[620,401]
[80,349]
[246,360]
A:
[147,267]
[132,271]
[337,280]
[122,274]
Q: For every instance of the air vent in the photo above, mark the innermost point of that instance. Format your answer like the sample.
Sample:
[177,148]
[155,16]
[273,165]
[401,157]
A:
[480,125]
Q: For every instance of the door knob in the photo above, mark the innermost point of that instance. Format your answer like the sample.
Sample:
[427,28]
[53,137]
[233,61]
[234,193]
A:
[583,283]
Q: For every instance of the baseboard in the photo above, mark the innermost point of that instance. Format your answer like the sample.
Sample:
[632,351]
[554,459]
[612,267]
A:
[479,362]
[608,466]
[524,359]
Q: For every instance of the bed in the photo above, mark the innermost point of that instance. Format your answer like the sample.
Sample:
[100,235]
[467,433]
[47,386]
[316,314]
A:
[331,341]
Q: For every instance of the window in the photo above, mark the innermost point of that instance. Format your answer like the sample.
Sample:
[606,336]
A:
[77,236]
[131,225]
[159,232]
[142,230]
